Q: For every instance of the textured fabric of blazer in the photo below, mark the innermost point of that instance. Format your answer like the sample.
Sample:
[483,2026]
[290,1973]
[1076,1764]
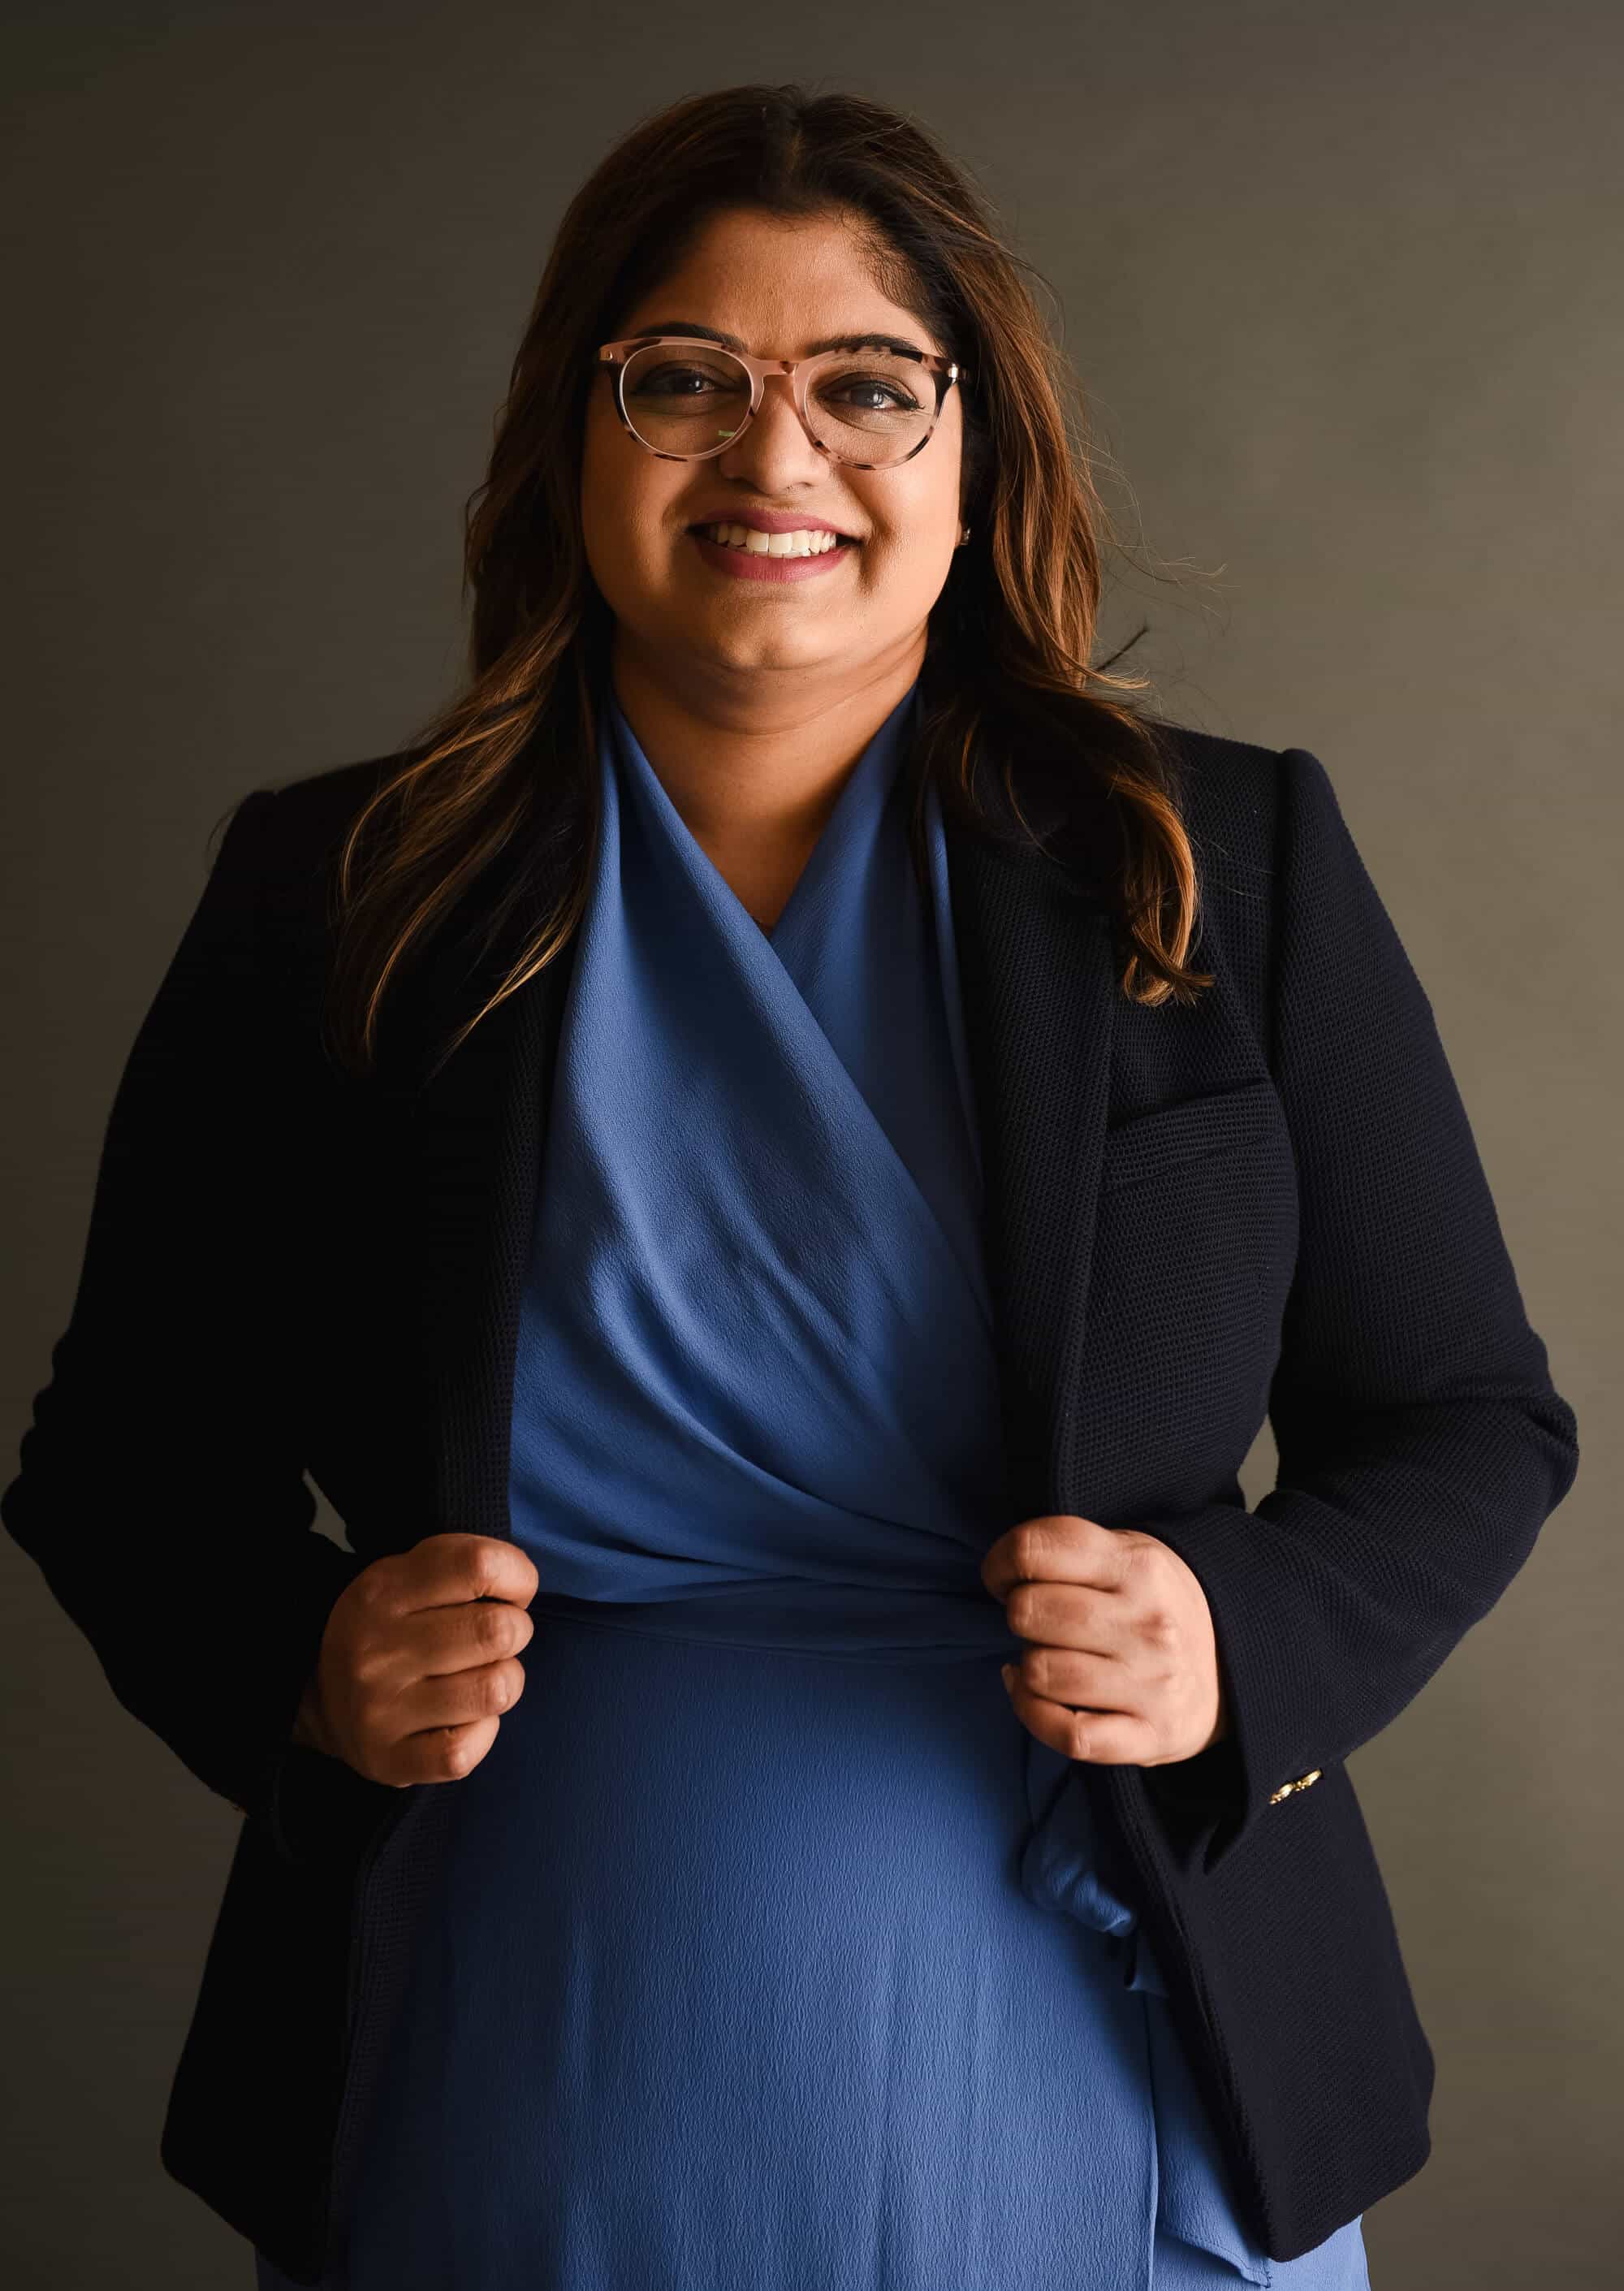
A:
[1267,1205]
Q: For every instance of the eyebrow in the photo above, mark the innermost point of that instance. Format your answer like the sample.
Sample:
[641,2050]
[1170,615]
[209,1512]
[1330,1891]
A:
[897,342]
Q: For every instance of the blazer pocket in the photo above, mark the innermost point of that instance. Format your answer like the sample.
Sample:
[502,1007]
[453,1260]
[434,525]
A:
[1148,1144]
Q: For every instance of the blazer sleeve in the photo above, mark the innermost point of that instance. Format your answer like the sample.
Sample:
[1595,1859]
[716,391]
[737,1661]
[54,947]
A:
[161,1489]
[1421,1444]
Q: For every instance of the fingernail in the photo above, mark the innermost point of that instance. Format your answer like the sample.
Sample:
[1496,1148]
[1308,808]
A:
[1009,1675]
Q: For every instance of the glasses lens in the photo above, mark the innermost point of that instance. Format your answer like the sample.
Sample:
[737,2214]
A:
[684,401]
[862,406]
[871,406]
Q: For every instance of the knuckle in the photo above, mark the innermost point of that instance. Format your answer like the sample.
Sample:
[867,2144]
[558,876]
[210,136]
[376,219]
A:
[368,1663]
[491,1625]
[486,1556]
[1026,1547]
[456,1754]
[370,1589]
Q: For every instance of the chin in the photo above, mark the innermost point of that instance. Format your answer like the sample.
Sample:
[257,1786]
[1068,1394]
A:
[766,648]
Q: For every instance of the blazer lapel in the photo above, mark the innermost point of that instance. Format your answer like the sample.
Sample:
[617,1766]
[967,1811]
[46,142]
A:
[1036,967]
[1038,977]
[479,1126]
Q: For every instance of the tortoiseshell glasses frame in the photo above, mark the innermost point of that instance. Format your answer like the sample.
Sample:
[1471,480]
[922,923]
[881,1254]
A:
[944,373]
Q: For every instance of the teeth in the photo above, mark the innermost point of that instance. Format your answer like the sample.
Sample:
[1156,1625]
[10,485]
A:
[801,543]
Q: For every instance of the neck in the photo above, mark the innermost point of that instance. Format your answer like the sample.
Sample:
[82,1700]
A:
[754,765]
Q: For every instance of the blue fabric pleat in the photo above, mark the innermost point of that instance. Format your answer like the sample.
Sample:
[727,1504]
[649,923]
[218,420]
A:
[770,1949]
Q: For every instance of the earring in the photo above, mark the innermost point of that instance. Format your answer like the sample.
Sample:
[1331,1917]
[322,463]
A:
[964,534]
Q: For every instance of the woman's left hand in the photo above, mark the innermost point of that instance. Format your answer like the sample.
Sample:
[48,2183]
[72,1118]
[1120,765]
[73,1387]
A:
[1120,1626]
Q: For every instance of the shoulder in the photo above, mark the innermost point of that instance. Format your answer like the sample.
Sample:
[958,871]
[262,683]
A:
[1226,791]
[1228,796]
[1266,825]
[294,831]
[1220,765]
[313,813]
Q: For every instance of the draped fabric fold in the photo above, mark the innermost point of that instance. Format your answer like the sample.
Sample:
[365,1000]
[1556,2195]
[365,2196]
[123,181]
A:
[1060,1871]
[763,1817]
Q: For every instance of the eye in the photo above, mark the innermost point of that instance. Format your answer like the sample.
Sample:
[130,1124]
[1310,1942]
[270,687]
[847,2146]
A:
[893,397]
[673,381]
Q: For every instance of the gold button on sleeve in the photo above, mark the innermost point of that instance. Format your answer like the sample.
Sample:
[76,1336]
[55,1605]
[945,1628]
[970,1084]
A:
[1303,1781]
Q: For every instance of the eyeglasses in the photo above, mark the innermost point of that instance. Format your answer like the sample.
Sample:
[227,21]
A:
[686,399]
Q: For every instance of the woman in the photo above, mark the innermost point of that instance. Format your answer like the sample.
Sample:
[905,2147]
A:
[721,1164]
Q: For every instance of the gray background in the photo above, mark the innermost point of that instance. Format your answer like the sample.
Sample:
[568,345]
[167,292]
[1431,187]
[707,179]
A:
[1342,286]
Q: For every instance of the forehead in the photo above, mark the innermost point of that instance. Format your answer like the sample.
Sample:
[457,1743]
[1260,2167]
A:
[779,285]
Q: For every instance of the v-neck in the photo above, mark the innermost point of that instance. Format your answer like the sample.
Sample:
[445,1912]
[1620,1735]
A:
[853,818]
[849,960]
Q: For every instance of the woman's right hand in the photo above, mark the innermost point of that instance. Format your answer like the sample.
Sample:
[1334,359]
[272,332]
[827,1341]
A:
[419,1659]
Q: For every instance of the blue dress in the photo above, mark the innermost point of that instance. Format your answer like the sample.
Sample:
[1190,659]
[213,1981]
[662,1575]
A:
[770,1951]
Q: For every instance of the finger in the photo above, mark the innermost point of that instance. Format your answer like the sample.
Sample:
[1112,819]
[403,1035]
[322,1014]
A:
[450,1569]
[435,1639]
[440,1754]
[1102,1682]
[452,1698]
[1054,1547]
[1101,1737]
[1072,1615]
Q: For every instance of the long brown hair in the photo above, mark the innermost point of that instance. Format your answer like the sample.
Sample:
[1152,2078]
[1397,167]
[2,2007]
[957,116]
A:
[502,782]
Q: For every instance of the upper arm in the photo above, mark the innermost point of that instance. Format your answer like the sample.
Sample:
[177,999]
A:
[1404,1288]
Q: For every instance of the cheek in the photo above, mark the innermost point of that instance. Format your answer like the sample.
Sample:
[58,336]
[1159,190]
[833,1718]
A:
[918,524]
[621,547]
[908,569]
[599,521]
[913,555]
[620,511]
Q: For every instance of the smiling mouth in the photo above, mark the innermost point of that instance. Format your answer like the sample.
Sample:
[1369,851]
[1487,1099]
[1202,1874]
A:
[808,542]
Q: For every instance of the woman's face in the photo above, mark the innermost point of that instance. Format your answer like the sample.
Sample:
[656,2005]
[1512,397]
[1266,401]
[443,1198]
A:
[777,287]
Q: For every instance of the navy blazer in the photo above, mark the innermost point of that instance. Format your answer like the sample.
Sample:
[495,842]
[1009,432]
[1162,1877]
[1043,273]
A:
[1270,1202]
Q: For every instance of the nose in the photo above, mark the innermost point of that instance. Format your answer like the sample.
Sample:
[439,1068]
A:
[774,450]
